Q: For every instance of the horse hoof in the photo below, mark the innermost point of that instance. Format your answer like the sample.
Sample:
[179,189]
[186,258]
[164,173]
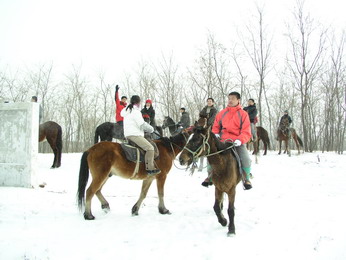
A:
[223,222]
[105,208]
[88,217]
[231,233]
[165,212]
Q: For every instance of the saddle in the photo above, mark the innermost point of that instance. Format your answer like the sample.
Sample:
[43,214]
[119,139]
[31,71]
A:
[134,153]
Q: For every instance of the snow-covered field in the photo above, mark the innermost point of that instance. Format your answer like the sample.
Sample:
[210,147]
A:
[296,210]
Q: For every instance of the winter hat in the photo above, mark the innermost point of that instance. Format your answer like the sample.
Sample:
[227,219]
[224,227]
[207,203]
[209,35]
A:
[148,101]
[286,111]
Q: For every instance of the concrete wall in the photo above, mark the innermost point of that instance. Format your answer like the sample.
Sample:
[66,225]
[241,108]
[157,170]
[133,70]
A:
[19,124]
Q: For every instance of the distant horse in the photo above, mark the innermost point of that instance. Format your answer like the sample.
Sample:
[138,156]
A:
[52,132]
[107,131]
[107,158]
[262,135]
[223,162]
[172,126]
[284,134]
[297,140]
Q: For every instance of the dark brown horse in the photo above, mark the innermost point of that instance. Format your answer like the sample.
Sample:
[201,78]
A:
[296,139]
[284,134]
[225,170]
[107,158]
[262,135]
[51,131]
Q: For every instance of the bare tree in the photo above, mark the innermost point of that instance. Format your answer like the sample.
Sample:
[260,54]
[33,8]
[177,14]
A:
[305,64]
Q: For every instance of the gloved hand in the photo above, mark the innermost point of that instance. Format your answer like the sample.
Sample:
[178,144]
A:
[237,143]
[116,88]
[217,136]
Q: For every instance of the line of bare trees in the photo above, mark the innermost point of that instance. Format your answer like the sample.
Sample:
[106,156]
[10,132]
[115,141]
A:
[307,77]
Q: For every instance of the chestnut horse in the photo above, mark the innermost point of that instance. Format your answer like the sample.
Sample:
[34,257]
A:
[107,158]
[51,131]
[223,162]
[262,135]
[284,134]
[296,139]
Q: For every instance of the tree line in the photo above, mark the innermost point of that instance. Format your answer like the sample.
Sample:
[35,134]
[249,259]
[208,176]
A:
[306,77]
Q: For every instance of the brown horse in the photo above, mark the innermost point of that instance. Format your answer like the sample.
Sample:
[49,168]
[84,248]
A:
[284,134]
[223,162]
[262,135]
[51,131]
[296,139]
[107,158]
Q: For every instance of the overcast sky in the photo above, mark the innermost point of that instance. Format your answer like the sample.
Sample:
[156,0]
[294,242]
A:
[116,35]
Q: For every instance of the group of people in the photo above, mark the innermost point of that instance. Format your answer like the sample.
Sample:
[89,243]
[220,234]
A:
[232,124]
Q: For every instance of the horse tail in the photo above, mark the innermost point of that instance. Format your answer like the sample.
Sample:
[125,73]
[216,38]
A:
[300,141]
[83,179]
[96,138]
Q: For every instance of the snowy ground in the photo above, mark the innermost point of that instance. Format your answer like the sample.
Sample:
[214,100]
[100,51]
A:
[294,211]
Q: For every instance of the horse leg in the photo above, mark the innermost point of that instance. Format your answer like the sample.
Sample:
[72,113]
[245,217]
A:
[104,202]
[230,211]
[297,144]
[145,187]
[55,151]
[160,182]
[95,187]
[218,205]
[280,147]
[265,147]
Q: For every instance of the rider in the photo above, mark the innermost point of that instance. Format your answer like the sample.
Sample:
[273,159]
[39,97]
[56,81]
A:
[232,124]
[150,111]
[134,128]
[209,112]
[285,118]
[184,121]
[120,104]
[252,111]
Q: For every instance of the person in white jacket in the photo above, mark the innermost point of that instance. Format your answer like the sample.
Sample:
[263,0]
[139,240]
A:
[134,128]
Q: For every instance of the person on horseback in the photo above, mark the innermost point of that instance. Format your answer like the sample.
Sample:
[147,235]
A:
[252,111]
[184,121]
[134,128]
[209,112]
[120,105]
[150,111]
[232,124]
[284,125]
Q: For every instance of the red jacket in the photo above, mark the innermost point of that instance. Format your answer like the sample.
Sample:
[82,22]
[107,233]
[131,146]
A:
[235,124]
[119,105]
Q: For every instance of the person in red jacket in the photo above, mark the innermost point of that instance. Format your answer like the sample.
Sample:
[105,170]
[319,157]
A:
[232,124]
[119,105]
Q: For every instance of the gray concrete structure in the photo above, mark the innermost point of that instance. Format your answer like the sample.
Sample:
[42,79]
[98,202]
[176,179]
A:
[19,126]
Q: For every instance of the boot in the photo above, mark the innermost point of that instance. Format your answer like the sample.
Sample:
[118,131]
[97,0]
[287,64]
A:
[153,172]
[246,181]
[207,182]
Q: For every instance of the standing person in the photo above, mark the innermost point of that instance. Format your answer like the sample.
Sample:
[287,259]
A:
[134,128]
[252,111]
[184,121]
[209,112]
[34,99]
[232,124]
[150,111]
[120,104]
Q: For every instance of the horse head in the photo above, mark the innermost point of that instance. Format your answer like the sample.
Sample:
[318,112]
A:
[167,122]
[198,143]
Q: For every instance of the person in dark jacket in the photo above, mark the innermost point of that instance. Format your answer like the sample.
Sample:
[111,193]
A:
[34,99]
[252,111]
[150,111]
[209,111]
[184,121]
[286,116]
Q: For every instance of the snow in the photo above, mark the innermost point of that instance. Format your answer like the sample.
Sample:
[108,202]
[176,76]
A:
[294,211]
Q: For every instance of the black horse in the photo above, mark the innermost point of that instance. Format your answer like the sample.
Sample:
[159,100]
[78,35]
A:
[108,130]
[172,126]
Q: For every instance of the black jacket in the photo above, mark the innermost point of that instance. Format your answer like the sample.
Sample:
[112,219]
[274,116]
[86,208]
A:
[209,115]
[184,120]
[286,116]
[252,111]
[151,113]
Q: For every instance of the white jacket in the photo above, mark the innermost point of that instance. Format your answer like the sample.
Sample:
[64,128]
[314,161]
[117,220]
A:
[134,123]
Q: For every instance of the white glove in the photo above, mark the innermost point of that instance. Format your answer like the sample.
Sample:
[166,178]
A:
[237,143]
[217,136]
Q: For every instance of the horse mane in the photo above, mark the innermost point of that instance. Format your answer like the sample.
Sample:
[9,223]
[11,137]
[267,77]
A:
[221,145]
